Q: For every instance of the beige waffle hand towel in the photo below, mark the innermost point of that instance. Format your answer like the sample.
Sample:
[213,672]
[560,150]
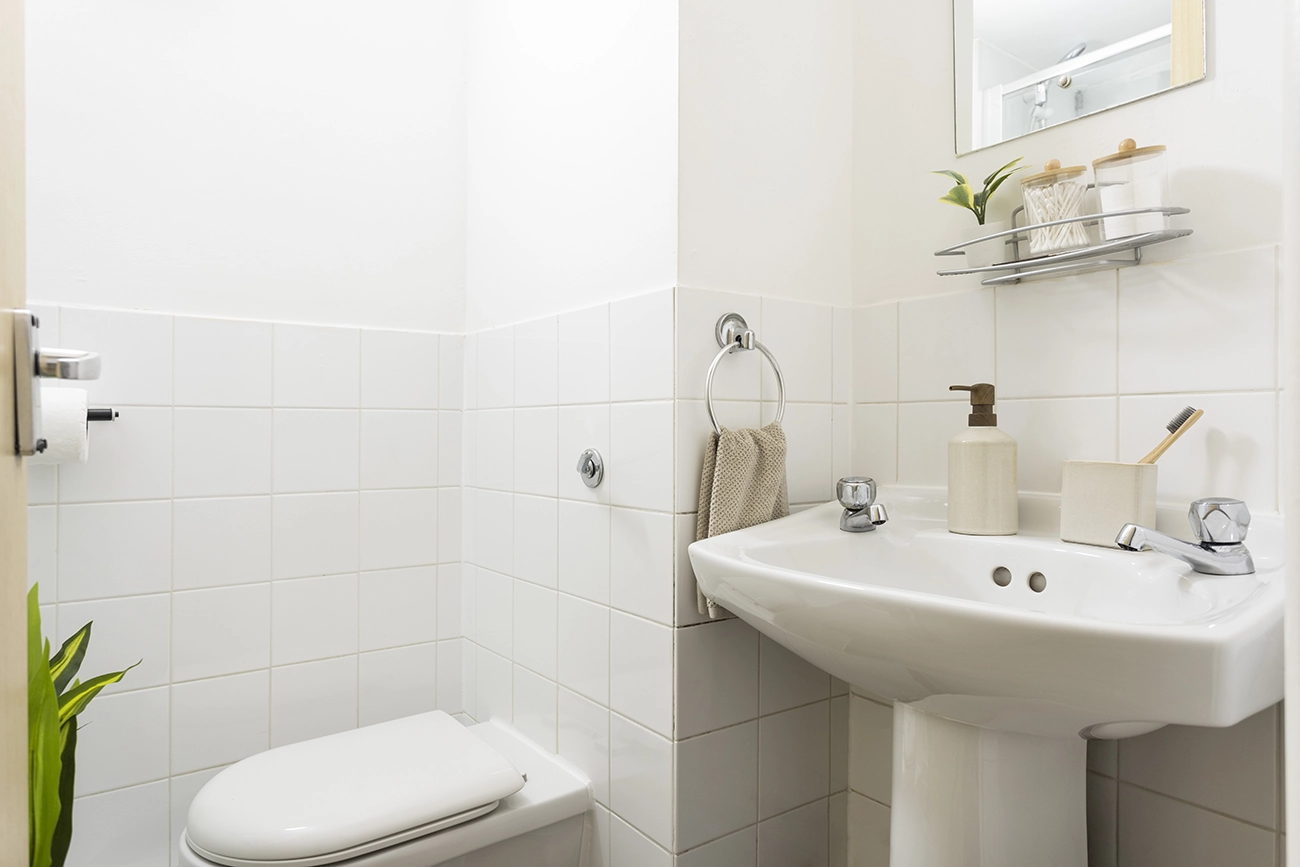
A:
[743,484]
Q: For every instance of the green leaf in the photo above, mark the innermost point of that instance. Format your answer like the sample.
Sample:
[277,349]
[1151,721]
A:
[989,191]
[962,196]
[990,178]
[74,701]
[44,741]
[67,662]
[62,839]
[956,176]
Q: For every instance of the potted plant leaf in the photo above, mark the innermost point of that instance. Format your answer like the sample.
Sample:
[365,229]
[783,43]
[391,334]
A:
[54,698]
[964,195]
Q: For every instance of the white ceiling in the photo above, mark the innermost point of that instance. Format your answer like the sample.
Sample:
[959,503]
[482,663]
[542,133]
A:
[1039,32]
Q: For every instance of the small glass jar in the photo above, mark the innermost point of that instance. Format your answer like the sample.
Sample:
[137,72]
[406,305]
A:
[1055,194]
[1130,179]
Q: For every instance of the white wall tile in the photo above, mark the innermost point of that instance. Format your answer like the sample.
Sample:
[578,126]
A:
[400,606]
[1048,432]
[449,524]
[698,311]
[717,676]
[641,671]
[222,452]
[584,739]
[799,836]
[584,355]
[871,749]
[841,441]
[495,687]
[599,851]
[494,612]
[786,680]
[535,459]
[800,335]
[130,630]
[584,550]
[693,431]
[218,721]
[537,540]
[1155,831]
[875,353]
[535,628]
[735,850]
[449,602]
[1057,339]
[313,618]
[114,549]
[641,779]
[639,468]
[809,452]
[223,630]
[313,700]
[469,677]
[630,847]
[1170,313]
[536,362]
[717,784]
[582,428]
[184,788]
[1103,807]
[448,686]
[1234,772]
[397,683]
[1231,451]
[399,449]
[641,359]
[794,758]
[1103,757]
[641,564]
[136,349]
[399,528]
[43,551]
[450,432]
[945,341]
[314,534]
[495,442]
[839,743]
[469,449]
[868,831]
[122,740]
[451,371]
[535,707]
[130,459]
[222,362]
[494,531]
[495,368]
[583,648]
[124,828]
[221,541]
[924,430]
[42,484]
[469,380]
[317,367]
[399,370]
[842,355]
[315,450]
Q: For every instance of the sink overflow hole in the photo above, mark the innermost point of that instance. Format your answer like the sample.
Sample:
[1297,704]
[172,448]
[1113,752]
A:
[1038,582]
[1002,576]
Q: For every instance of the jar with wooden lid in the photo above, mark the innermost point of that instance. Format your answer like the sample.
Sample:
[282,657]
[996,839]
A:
[1055,194]
[1130,179]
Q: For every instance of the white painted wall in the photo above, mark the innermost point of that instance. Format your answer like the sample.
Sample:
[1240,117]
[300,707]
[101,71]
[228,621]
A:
[573,155]
[254,158]
[1224,137]
[766,148]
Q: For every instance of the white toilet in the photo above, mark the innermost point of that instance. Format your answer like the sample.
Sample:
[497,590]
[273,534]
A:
[414,792]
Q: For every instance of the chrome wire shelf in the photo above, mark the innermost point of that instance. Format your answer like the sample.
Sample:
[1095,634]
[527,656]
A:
[1095,257]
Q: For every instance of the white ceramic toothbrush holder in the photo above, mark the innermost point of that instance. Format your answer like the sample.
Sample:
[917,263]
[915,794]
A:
[1099,497]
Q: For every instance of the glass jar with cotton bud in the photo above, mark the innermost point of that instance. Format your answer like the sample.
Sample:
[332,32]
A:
[1055,194]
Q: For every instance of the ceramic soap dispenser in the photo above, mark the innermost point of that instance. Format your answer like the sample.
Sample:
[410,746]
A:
[982,483]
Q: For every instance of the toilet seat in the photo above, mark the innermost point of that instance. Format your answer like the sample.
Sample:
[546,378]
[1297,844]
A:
[327,800]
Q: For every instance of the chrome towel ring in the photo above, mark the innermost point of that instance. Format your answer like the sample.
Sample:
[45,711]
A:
[733,335]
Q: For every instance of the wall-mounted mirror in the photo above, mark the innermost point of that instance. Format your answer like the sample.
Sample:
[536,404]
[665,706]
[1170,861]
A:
[1025,65]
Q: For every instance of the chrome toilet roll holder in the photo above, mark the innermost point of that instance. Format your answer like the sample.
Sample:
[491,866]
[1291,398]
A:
[32,364]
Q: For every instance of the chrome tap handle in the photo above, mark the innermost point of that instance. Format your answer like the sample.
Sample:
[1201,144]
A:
[1219,521]
[856,492]
[878,514]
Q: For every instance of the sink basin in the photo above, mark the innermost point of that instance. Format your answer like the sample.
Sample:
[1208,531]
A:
[995,686]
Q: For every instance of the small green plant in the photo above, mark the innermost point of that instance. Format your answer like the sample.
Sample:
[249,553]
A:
[54,698]
[964,196]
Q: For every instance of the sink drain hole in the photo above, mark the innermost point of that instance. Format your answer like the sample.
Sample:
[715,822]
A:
[1038,582]
[1002,576]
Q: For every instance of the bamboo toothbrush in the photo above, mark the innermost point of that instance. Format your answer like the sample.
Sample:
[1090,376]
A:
[1177,426]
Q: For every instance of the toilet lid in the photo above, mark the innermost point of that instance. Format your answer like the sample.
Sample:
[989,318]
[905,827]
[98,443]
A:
[325,800]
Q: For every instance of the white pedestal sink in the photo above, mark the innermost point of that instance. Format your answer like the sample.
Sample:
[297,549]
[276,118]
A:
[996,687]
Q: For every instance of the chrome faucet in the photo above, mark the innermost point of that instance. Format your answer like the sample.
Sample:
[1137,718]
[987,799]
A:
[857,494]
[1220,526]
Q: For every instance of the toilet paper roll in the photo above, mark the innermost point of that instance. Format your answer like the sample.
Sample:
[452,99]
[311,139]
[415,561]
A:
[63,425]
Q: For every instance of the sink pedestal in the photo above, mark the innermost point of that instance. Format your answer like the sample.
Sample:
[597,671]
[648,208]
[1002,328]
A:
[965,796]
